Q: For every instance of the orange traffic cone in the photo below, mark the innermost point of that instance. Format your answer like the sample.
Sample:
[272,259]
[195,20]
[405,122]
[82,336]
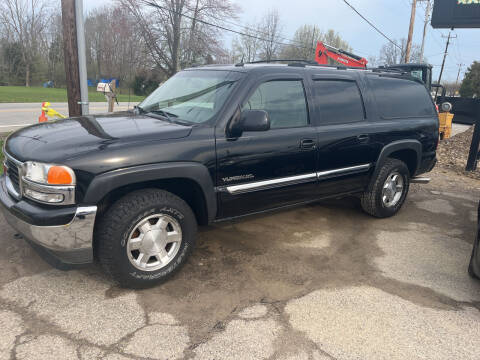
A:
[42,117]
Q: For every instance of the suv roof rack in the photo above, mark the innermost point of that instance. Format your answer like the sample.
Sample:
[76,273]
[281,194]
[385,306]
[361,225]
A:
[299,63]
[290,62]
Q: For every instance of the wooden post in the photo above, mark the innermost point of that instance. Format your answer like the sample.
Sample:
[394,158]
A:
[475,145]
[70,51]
[410,31]
[111,95]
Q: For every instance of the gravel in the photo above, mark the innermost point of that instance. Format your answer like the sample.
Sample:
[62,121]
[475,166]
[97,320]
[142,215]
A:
[452,154]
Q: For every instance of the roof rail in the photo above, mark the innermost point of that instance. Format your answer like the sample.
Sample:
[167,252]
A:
[303,61]
[300,63]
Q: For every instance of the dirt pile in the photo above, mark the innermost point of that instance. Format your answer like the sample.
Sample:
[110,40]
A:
[452,154]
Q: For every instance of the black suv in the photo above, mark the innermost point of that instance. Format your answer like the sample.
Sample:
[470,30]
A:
[210,144]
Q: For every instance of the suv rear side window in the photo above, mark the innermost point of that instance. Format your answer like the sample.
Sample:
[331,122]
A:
[284,100]
[339,101]
[400,98]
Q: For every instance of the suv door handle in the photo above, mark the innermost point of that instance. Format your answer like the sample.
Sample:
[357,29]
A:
[307,144]
[363,137]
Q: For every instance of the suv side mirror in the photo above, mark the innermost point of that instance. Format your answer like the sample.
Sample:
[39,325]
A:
[248,120]
[255,120]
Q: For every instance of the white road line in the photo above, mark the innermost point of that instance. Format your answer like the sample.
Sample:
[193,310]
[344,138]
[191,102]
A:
[17,125]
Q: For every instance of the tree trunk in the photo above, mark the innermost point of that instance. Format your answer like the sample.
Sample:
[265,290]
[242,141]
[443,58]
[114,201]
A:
[192,34]
[27,74]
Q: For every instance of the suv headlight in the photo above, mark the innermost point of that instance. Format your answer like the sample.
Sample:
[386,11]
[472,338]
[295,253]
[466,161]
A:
[48,183]
[48,174]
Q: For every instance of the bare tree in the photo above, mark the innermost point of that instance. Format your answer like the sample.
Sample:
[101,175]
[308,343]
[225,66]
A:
[303,43]
[247,47]
[25,22]
[452,88]
[175,33]
[333,38]
[305,40]
[391,54]
[270,30]
[114,44]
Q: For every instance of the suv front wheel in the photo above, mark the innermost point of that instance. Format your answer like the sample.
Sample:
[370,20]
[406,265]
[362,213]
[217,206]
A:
[145,237]
[388,193]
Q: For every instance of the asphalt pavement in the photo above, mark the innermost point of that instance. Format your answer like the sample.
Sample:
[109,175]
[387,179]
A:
[323,281]
[14,116]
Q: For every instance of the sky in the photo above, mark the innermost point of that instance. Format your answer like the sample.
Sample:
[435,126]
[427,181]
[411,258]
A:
[391,16]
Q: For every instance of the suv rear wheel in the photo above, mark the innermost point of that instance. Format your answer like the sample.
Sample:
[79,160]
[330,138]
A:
[145,237]
[389,190]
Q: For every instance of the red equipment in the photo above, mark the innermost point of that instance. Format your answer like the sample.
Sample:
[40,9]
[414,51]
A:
[325,52]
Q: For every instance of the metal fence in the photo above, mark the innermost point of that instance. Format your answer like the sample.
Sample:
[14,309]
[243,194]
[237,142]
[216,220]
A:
[464,109]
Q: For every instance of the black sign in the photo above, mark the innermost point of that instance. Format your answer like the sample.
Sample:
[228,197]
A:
[456,13]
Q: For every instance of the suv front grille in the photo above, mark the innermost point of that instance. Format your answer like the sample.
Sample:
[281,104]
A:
[12,173]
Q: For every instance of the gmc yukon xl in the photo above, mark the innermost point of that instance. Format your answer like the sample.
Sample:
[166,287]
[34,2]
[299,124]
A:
[210,144]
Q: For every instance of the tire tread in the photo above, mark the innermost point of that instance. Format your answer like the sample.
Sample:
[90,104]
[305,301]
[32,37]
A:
[115,219]
[369,197]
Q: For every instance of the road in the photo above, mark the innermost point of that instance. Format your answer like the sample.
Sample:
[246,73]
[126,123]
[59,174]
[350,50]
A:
[323,281]
[17,115]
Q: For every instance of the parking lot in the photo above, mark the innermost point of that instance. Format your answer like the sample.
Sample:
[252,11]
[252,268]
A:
[323,281]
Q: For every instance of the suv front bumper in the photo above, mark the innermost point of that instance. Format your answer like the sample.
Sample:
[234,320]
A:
[71,242]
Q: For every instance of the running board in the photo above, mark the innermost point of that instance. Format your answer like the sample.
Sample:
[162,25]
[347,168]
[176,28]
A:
[420,180]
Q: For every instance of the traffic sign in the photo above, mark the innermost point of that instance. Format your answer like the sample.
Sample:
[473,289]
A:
[456,14]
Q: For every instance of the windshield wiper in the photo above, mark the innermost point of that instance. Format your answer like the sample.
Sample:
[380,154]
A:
[167,114]
[171,117]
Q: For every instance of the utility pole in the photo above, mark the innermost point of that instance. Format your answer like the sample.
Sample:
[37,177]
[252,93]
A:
[74,56]
[444,57]
[410,31]
[70,51]
[425,24]
[458,75]
[82,58]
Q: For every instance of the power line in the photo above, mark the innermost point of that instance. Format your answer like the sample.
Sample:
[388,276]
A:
[242,26]
[371,24]
[146,2]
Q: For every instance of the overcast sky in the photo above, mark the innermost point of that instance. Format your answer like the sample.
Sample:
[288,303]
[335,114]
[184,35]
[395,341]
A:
[391,16]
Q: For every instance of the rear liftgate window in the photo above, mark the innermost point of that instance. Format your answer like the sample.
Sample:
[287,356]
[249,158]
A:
[400,98]
[339,101]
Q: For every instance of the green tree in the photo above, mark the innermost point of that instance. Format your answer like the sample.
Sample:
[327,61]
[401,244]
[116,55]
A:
[471,82]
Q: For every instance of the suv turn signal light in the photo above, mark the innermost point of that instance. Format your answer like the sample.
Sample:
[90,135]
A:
[58,175]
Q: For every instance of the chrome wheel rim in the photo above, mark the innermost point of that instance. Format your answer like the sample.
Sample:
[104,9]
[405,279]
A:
[392,189]
[154,242]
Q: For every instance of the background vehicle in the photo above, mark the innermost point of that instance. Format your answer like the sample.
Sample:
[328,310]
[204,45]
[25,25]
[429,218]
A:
[211,144]
[325,52]
[474,266]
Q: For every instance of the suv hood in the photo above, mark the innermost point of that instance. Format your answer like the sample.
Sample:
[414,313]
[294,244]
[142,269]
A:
[65,139]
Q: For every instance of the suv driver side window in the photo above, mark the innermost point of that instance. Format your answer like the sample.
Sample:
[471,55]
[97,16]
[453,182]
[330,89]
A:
[283,100]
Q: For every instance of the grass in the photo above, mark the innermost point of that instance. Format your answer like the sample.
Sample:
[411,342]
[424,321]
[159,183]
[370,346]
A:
[22,94]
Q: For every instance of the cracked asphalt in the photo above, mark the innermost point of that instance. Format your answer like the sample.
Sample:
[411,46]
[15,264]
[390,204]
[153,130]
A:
[323,281]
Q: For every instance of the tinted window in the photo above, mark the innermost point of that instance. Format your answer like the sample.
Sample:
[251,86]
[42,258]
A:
[284,100]
[397,98]
[339,101]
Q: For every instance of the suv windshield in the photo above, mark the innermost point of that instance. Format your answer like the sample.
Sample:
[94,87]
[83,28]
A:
[193,96]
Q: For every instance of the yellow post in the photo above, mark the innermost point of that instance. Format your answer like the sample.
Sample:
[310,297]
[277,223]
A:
[445,124]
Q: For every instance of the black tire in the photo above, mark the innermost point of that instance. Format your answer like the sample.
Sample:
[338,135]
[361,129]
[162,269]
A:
[372,202]
[116,225]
